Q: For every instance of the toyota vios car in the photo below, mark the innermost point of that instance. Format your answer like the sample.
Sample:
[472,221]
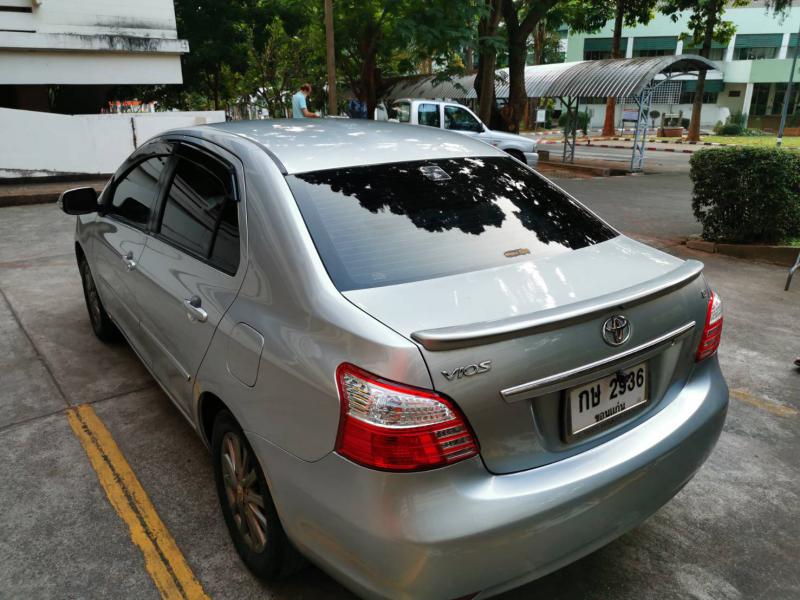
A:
[415,360]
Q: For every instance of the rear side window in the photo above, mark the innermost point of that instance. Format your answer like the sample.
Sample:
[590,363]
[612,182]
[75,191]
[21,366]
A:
[401,111]
[428,114]
[200,210]
[387,224]
[135,195]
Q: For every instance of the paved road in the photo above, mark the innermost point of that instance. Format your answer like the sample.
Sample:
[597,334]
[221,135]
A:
[655,161]
[657,206]
[731,533]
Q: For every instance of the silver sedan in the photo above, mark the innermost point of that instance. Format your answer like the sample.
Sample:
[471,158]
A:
[417,363]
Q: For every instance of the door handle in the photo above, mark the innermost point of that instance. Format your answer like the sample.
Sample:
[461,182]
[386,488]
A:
[128,261]
[193,311]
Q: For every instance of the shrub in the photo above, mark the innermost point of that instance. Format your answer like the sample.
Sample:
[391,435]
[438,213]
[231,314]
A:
[731,129]
[685,123]
[583,122]
[747,194]
[718,127]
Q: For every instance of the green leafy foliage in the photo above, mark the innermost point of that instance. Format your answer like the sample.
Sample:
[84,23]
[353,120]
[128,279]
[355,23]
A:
[568,121]
[747,194]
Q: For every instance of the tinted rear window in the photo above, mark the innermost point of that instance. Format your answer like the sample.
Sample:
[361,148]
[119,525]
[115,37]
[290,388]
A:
[387,224]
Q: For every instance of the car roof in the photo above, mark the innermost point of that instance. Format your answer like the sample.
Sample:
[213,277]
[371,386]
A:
[318,144]
[429,100]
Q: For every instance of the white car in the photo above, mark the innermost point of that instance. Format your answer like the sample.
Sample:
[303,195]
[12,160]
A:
[457,117]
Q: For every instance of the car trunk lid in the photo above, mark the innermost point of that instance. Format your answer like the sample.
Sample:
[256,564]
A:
[506,343]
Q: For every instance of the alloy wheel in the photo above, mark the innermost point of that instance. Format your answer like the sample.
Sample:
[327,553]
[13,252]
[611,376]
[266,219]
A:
[92,298]
[243,491]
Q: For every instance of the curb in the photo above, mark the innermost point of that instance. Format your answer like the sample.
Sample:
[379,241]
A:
[32,196]
[617,146]
[784,256]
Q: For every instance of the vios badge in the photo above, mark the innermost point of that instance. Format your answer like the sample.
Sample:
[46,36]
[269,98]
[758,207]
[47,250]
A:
[616,330]
[468,370]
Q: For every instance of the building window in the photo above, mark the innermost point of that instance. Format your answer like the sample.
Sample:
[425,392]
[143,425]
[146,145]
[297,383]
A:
[708,97]
[653,52]
[754,53]
[717,52]
[757,46]
[596,54]
[600,48]
[777,102]
[654,46]
[758,106]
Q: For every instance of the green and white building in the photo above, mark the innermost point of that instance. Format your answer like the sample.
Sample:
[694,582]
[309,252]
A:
[754,65]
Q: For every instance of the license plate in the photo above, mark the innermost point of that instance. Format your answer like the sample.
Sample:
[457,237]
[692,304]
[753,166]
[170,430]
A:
[603,399]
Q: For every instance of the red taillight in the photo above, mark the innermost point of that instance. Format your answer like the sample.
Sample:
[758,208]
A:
[394,427]
[712,330]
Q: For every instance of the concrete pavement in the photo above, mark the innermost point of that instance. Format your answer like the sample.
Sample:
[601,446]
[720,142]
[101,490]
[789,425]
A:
[731,533]
[654,206]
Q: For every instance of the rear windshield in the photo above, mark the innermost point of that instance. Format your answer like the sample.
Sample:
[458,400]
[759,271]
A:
[394,223]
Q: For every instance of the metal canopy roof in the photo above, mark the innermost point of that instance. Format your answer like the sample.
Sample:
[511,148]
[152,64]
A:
[619,77]
[613,77]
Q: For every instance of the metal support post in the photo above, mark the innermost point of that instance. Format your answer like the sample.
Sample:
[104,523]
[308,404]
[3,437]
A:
[570,129]
[791,272]
[640,133]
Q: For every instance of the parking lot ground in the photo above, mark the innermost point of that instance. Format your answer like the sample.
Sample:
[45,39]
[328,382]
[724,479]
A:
[730,534]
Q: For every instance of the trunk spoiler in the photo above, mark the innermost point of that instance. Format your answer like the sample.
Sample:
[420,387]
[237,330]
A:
[464,336]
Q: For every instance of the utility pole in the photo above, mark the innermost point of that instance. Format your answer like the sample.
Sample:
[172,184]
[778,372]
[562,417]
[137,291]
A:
[331,58]
[787,96]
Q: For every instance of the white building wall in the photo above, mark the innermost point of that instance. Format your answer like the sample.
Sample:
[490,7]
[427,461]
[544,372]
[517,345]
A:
[84,42]
[42,144]
[145,18]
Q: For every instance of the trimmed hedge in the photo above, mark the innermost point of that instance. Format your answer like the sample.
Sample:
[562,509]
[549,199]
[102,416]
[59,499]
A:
[747,194]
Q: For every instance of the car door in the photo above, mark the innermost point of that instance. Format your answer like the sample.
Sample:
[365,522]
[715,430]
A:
[460,119]
[192,265]
[120,236]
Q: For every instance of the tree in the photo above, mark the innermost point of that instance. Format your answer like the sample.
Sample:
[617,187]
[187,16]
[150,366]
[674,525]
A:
[706,25]
[488,44]
[218,41]
[631,13]
[520,17]
[278,66]
[377,38]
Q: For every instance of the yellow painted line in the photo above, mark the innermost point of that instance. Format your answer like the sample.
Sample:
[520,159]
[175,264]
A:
[162,558]
[771,407]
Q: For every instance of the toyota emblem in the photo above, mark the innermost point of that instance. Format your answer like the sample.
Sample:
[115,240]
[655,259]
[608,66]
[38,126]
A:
[616,330]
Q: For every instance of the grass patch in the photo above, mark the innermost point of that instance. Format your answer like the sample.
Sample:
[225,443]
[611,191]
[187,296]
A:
[753,140]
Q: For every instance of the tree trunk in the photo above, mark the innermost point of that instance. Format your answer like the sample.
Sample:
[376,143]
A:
[215,91]
[369,84]
[330,58]
[487,61]
[469,60]
[697,105]
[518,33]
[517,97]
[611,103]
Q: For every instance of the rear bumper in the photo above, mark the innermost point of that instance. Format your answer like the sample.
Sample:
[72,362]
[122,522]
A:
[459,530]
[532,158]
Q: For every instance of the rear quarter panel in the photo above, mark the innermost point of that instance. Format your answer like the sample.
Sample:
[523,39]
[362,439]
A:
[308,327]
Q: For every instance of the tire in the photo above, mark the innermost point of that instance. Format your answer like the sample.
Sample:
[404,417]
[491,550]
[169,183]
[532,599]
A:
[103,327]
[517,154]
[254,526]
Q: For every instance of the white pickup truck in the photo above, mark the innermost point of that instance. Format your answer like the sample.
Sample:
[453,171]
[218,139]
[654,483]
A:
[456,117]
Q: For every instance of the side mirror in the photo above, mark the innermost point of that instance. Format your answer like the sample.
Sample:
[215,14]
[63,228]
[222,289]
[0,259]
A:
[78,201]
